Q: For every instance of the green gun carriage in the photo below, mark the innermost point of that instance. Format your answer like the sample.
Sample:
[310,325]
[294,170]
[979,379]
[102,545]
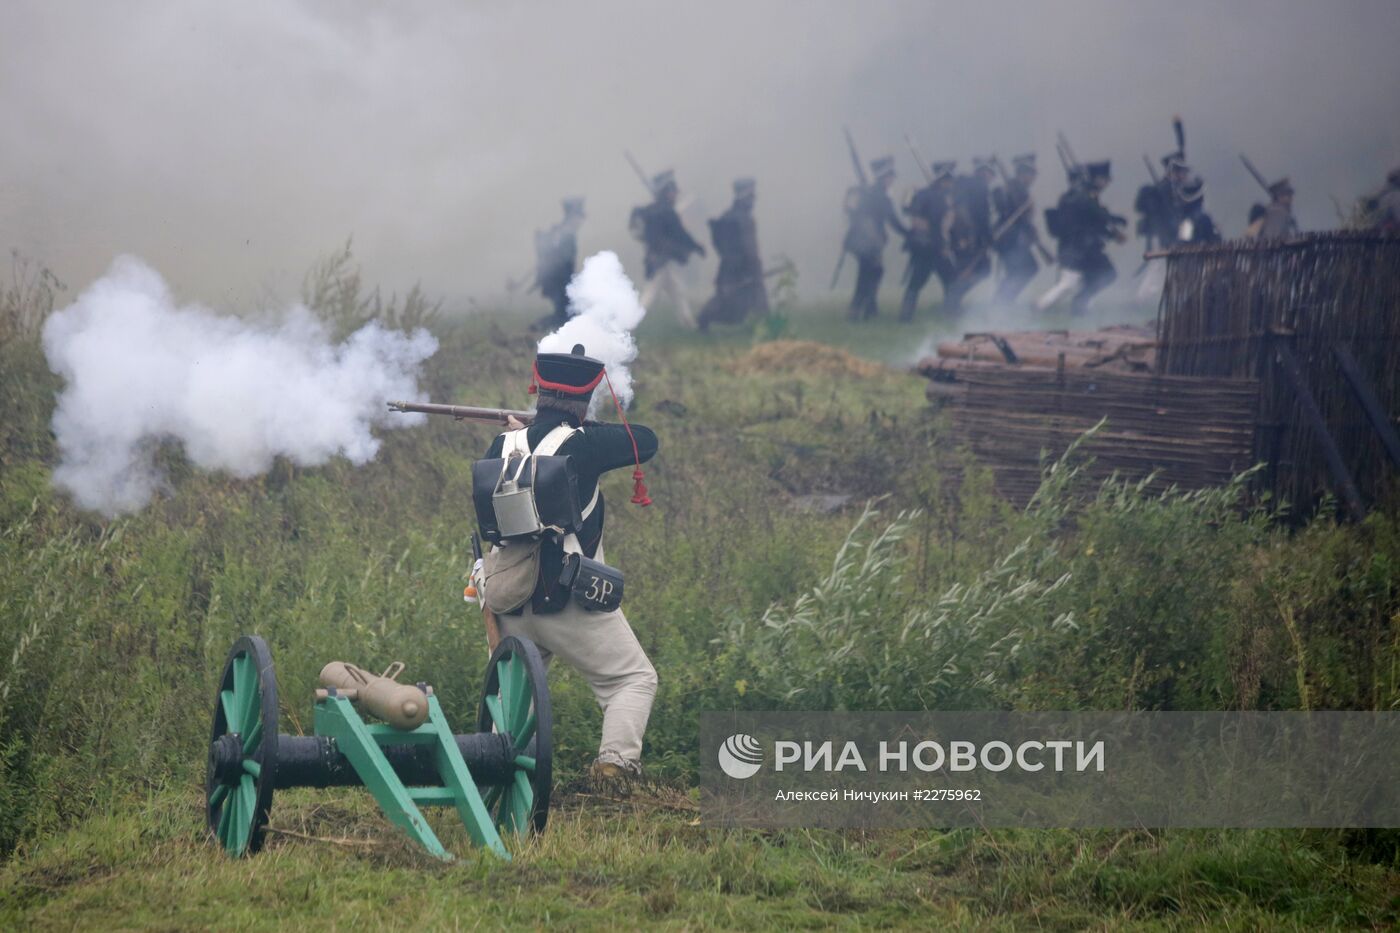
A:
[498,778]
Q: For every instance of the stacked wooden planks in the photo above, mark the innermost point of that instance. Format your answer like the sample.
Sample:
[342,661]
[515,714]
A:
[1186,432]
[1226,308]
[1123,348]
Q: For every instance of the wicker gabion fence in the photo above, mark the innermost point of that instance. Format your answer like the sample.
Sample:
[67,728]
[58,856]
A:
[1316,320]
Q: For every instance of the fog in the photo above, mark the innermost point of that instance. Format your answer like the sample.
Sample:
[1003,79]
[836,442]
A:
[231,144]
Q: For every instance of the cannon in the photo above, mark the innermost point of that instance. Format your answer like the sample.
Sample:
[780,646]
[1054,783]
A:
[498,778]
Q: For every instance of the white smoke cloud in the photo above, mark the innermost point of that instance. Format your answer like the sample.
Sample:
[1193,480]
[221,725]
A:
[606,309]
[236,394]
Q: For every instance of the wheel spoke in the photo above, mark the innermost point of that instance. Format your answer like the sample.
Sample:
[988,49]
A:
[520,693]
[490,797]
[245,680]
[226,700]
[498,717]
[525,762]
[247,811]
[254,736]
[252,767]
[226,816]
[526,733]
[522,800]
[504,692]
[217,797]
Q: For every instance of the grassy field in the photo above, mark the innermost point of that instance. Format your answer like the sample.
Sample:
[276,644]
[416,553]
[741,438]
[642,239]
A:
[113,632]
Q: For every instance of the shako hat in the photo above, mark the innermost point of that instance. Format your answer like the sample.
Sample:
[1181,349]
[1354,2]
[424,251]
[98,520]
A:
[743,187]
[984,163]
[882,166]
[567,375]
[663,180]
[574,376]
[573,206]
[1193,189]
[1282,186]
[943,170]
[1174,160]
[1098,169]
[1025,161]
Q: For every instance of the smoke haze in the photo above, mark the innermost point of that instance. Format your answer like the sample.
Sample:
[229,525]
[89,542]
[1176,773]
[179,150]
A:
[233,143]
[140,369]
[605,310]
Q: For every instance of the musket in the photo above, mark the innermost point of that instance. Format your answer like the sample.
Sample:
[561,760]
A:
[465,412]
[997,234]
[918,160]
[1255,172]
[1151,172]
[855,158]
[864,183]
[1001,170]
[1180,130]
[636,167]
[1064,143]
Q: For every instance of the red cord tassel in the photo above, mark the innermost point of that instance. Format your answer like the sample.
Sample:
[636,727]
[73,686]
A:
[639,489]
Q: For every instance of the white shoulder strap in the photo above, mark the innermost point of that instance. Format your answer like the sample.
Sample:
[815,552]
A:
[517,442]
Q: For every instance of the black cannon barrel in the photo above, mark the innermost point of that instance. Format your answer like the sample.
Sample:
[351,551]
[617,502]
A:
[316,761]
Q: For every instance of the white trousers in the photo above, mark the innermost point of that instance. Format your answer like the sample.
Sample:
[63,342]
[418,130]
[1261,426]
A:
[668,280]
[603,649]
[1069,281]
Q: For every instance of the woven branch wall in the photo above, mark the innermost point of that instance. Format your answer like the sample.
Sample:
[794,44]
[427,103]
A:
[1225,306]
[1190,432]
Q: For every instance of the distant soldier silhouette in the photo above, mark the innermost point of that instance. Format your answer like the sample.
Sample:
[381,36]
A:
[930,219]
[1083,226]
[1196,226]
[668,246]
[1279,223]
[1017,244]
[739,286]
[870,210]
[556,254]
[971,231]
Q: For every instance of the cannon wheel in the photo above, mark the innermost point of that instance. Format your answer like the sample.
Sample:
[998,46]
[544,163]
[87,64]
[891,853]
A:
[242,748]
[515,701]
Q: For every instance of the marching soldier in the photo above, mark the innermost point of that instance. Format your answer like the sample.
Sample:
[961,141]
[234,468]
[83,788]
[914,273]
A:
[870,209]
[1018,242]
[556,253]
[739,286]
[668,246]
[1083,226]
[930,219]
[971,230]
[600,645]
[1279,223]
[1196,225]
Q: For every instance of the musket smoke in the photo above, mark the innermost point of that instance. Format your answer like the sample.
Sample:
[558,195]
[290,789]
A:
[605,309]
[141,369]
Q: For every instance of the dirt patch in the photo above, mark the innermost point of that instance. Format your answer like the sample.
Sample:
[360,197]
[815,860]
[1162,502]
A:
[807,356]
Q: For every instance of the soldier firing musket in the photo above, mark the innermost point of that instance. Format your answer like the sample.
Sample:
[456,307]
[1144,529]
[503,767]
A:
[545,577]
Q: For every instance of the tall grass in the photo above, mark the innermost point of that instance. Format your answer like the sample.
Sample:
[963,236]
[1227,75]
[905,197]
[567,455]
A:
[933,595]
